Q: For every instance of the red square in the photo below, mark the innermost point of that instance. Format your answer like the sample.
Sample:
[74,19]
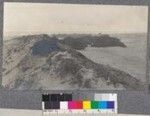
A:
[79,105]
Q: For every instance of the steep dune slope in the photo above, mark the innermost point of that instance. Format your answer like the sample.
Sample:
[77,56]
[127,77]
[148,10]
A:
[44,62]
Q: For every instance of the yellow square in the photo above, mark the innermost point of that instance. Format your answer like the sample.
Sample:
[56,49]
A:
[86,105]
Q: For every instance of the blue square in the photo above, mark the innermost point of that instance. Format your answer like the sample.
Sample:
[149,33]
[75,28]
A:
[110,104]
[103,105]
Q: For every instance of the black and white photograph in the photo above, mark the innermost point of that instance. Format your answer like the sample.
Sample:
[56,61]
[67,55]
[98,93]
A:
[74,47]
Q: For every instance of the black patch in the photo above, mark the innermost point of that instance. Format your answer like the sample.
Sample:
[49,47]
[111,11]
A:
[48,105]
[45,97]
[54,97]
[56,105]
[68,97]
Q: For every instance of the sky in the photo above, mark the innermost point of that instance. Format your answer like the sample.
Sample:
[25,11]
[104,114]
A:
[38,18]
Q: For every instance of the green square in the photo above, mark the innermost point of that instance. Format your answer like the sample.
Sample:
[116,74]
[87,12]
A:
[94,104]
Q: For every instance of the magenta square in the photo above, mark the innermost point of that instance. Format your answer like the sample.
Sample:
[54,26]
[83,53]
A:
[72,105]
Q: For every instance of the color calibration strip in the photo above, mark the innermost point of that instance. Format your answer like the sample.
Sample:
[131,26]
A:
[70,105]
[63,103]
[107,97]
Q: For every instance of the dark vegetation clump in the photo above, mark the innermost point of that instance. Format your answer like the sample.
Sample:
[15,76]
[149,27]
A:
[45,46]
[81,42]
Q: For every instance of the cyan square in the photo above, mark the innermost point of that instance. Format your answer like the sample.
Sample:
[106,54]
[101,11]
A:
[103,105]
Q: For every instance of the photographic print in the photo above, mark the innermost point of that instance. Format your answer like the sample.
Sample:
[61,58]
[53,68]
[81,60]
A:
[74,46]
